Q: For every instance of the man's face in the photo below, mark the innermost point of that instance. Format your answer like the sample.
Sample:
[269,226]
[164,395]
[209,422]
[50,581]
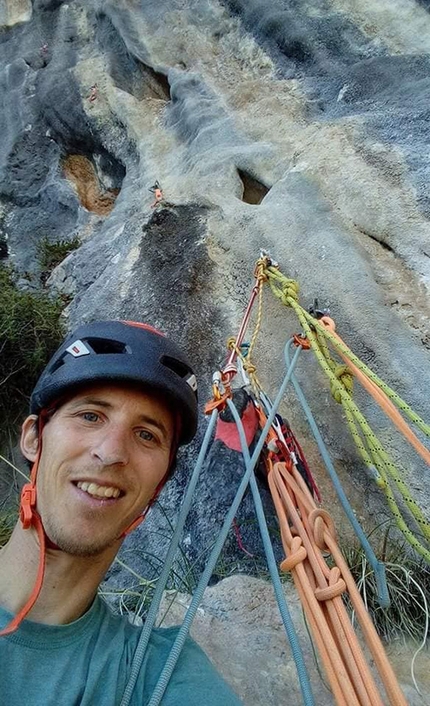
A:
[103,454]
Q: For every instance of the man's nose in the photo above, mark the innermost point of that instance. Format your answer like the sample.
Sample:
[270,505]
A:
[112,446]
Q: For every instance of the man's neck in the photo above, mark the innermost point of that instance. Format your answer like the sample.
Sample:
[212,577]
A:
[70,583]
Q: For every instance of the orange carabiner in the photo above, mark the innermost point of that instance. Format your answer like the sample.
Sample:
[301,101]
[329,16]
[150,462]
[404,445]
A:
[219,403]
[302,341]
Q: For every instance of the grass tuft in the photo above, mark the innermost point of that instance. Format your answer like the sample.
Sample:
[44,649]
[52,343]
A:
[7,523]
[51,254]
[408,579]
[30,331]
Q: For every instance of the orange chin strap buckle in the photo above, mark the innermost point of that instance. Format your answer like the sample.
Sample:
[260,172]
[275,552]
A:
[30,518]
[27,505]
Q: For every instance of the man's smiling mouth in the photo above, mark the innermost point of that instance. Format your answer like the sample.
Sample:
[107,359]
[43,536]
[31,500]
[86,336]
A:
[98,491]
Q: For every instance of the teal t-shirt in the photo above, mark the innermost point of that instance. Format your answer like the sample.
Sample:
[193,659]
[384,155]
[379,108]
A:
[87,663]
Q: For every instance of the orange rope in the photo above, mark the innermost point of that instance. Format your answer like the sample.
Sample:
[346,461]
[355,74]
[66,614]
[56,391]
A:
[379,396]
[307,532]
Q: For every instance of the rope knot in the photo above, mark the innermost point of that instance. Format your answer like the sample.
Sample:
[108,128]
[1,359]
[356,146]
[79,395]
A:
[289,290]
[346,378]
[231,343]
[249,368]
[297,555]
[260,270]
[321,522]
[336,586]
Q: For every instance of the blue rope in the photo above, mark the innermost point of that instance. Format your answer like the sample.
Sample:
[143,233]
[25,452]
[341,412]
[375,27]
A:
[142,644]
[296,650]
[377,566]
[175,652]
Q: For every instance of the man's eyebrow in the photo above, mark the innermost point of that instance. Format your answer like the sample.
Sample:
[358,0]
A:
[74,404]
[147,419]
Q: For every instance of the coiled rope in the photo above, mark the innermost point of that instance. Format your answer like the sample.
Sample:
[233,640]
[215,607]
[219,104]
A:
[377,566]
[306,530]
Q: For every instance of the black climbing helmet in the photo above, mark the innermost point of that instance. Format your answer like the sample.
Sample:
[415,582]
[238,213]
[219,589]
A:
[121,351]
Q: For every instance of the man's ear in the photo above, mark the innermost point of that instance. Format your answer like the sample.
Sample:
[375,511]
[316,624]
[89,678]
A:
[30,438]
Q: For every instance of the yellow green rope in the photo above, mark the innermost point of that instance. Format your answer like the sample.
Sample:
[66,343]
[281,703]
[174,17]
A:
[341,381]
[287,291]
[383,483]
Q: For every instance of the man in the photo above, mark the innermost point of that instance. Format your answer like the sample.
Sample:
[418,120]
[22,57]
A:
[107,416]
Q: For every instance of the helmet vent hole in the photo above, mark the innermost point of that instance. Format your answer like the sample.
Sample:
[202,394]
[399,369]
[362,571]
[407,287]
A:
[106,345]
[58,363]
[176,366]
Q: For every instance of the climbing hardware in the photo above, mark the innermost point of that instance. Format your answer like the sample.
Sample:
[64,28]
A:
[307,529]
[321,335]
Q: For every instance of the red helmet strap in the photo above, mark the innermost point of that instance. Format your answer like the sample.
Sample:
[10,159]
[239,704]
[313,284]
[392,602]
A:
[30,518]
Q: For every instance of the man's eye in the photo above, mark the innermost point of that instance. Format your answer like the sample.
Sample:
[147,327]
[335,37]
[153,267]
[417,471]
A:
[90,416]
[146,435]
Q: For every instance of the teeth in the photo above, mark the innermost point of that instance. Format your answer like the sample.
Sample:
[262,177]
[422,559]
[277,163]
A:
[100,491]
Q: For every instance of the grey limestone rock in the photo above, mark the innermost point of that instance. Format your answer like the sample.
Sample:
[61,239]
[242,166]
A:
[239,627]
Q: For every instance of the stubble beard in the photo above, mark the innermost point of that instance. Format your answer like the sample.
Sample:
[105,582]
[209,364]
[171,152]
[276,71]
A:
[75,546]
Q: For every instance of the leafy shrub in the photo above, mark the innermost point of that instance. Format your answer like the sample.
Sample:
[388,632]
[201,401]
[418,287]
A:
[30,331]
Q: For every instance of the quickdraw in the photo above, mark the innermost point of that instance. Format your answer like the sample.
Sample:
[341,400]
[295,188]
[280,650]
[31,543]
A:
[294,490]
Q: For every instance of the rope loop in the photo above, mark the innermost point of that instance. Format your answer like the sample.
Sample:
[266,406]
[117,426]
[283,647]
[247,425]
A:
[297,555]
[287,290]
[321,522]
[260,270]
[249,367]
[345,376]
[231,343]
[336,586]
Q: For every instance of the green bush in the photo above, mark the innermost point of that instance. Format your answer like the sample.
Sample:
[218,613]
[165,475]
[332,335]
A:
[50,254]
[30,331]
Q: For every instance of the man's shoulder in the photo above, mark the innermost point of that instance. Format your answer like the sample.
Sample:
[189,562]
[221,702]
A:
[195,680]
[132,627]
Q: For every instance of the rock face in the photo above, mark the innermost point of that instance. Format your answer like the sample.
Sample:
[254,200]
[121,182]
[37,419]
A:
[239,627]
[14,11]
[300,128]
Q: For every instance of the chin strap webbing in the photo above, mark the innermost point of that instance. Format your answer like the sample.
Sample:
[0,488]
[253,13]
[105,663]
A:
[19,617]
[30,518]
